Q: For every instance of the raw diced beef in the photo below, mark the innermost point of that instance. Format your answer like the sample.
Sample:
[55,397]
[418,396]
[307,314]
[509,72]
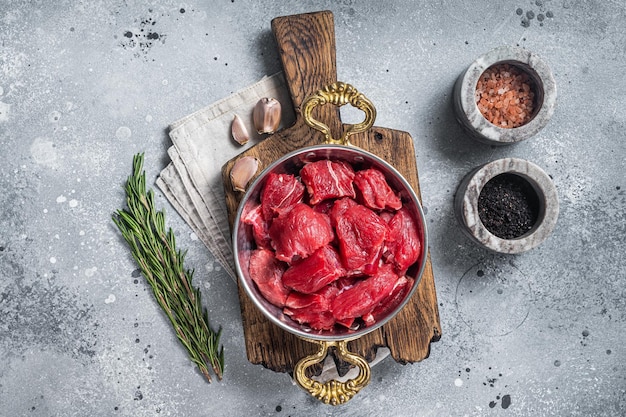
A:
[361,234]
[313,316]
[310,274]
[327,179]
[339,207]
[312,309]
[347,322]
[374,191]
[324,206]
[403,243]
[393,300]
[332,246]
[280,193]
[260,227]
[266,272]
[345,283]
[387,215]
[300,232]
[365,295]
[321,298]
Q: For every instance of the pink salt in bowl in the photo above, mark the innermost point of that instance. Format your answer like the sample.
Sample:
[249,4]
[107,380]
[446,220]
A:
[468,89]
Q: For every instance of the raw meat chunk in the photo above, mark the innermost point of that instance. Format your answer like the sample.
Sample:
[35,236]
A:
[300,232]
[374,191]
[386,216]
[321,298]
[324,206]
[260,227]
[393,300]
[360,299]
[339,208]
[313,316]
[310,274]
[267,272]
[312,309]
[361,234]
[403,244]
[280,193]
[327,179]
[345,283]
[332,245]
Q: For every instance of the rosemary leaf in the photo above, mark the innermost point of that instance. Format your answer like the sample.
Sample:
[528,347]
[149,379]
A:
[154,249]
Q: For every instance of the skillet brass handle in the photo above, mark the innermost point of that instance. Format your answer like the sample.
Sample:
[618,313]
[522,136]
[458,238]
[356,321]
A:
[339,94]
[333,392]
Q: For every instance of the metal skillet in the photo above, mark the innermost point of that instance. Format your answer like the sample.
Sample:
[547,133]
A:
[338,94]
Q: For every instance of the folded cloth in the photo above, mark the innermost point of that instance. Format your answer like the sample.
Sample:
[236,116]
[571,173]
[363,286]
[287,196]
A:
[202,144]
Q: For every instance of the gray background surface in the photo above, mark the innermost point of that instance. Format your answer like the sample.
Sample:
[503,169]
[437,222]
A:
[80,332]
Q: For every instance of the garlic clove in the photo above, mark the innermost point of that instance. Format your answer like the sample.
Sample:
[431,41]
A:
[242,172]
[266,115]
[239,131]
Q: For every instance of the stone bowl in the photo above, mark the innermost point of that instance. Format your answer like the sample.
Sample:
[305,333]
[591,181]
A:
[473,121]
[467,211]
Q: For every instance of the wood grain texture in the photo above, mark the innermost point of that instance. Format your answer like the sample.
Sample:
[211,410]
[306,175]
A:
[307,48]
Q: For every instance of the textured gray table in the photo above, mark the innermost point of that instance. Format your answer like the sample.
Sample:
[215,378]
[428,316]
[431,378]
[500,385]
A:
[536,334]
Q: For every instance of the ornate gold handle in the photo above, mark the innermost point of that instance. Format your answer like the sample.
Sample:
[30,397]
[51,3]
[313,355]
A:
[333,392]
[339,94]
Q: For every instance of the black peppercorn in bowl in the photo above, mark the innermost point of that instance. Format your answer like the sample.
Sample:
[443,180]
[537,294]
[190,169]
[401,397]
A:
[505,96]
[507,206]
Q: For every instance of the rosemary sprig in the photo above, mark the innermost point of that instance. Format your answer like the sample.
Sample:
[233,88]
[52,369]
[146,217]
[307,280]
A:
[154,250]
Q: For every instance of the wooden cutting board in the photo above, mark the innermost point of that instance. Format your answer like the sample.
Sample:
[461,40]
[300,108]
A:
[306,44]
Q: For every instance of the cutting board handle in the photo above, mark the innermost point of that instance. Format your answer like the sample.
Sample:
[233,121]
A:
[306,46]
